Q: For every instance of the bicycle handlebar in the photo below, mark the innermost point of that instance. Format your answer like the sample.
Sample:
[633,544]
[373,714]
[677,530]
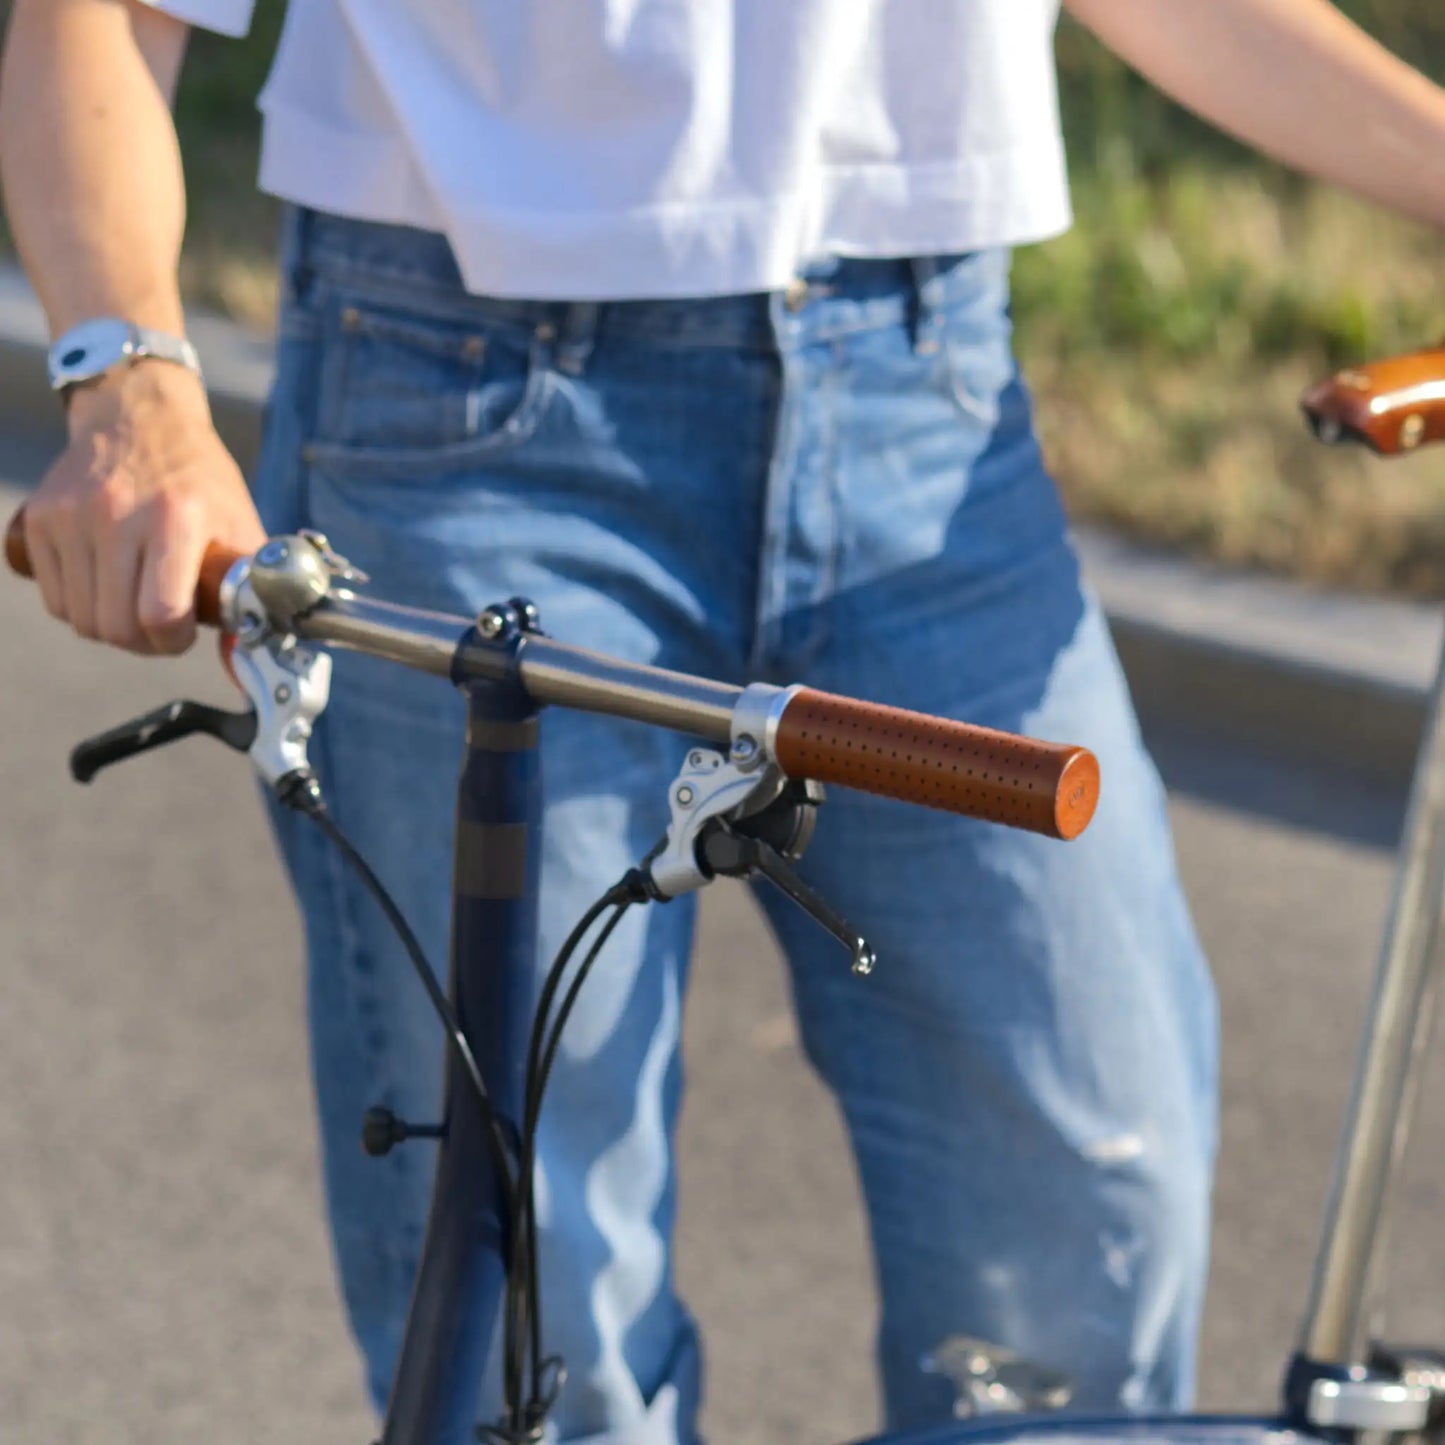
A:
[214,566]
[1046,788]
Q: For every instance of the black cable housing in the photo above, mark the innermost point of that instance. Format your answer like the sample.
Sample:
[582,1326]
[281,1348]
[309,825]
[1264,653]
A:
[513,1151]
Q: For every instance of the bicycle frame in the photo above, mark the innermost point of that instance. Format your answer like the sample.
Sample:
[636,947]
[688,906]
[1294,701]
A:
[454,1306]
[495,901]
[507,668]
[460,1281]
[746,810]
[494,927]
[1334,1387]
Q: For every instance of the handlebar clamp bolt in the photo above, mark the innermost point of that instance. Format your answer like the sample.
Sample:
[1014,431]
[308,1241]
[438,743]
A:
[529,619]
[745,750]
[494,622]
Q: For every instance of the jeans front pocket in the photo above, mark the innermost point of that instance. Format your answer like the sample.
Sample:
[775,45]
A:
[407,393]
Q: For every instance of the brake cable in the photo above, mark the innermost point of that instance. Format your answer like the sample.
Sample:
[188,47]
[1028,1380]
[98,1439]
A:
[522,1329]
[523,1316]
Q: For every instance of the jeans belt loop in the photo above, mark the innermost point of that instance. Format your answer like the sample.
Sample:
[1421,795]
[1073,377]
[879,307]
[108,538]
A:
[925,324]
[295,260]
[577,336]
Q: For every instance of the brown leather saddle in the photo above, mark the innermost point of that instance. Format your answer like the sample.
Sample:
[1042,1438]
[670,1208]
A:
[1394,407]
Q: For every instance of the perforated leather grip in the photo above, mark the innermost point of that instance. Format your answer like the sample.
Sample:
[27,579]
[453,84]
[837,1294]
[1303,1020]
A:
[1394,406]
[214,566]
[1048,788]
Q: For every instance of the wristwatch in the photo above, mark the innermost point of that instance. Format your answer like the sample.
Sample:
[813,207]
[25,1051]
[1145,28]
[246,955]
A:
[89,350]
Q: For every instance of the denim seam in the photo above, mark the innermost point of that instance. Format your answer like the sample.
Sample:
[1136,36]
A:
[813,639]
[333,870]
[772,579]
[425,464]
[833,562]
[379,1064]
[418,292]
[331,374]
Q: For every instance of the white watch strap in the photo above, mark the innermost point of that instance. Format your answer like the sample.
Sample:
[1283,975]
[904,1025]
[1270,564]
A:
[90,350]
[166,347]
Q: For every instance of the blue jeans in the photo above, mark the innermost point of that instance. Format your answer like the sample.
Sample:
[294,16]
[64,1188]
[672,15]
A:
[841,488]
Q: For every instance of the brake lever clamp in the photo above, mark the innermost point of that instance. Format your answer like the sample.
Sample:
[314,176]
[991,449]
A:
[709,787]
[288,685]
[737,820]
[287,682]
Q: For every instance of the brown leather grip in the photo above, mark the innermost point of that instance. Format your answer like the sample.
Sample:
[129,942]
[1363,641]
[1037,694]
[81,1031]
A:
[1048,788]
[214,566]
[1394,406]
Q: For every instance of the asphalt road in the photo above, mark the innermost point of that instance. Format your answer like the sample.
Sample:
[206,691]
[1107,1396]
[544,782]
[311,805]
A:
[163,1270]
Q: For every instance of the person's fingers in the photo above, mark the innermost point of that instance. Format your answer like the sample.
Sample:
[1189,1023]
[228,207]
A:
[117,585]
[44,563]
[170,566]
[76,551]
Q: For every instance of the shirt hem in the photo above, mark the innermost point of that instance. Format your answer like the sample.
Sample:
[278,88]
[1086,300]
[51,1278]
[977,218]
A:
[225,17]
[679,249]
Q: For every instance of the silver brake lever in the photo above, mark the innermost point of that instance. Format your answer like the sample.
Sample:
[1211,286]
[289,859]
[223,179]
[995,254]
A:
[711,801]
[709,786]
[287,682]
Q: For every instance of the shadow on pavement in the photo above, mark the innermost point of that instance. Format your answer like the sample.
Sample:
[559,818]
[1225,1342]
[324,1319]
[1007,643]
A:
[1197,763]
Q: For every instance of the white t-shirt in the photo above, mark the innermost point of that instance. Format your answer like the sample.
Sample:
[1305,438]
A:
[603,149]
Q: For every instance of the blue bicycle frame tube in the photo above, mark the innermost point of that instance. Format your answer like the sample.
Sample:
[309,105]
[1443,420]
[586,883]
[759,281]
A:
[459,1288]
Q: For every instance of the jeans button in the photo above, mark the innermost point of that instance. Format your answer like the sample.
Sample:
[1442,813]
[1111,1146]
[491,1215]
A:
[795,294]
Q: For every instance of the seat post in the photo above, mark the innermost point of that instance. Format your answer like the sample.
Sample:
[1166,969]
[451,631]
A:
[1392,1050]
[458,1294]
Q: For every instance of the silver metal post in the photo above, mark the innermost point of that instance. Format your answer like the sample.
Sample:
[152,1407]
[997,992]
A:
[1397,1033]
[574,677]
[552,671]
[426,641]
[299,585]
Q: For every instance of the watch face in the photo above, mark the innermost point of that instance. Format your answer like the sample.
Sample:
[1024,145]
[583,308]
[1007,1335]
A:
[91,348]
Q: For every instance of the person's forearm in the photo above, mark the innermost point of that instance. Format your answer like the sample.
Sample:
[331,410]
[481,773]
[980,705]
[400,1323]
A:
[92,177]
[1298,81]
[89,159]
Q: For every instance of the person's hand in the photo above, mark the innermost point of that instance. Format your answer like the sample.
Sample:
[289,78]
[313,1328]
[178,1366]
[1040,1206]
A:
[119,526]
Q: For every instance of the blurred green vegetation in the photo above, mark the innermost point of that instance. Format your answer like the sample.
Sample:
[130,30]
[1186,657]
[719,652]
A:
[1167,336]
[1158,259]
[1170,333]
